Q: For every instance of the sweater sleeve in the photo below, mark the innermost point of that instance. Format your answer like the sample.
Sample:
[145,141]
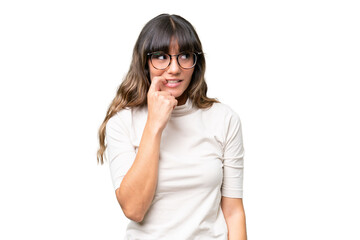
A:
[121,153]
[233,159]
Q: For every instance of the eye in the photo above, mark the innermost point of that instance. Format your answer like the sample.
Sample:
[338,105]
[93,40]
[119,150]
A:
[185,56]
[160,56]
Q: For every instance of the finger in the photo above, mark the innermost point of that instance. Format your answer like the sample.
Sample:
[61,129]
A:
[156,83]
[175,102]
[164,93]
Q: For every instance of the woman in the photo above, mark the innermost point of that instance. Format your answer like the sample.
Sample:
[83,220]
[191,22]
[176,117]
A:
[175,155]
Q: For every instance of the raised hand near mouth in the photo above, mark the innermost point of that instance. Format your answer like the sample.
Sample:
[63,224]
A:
[160,104]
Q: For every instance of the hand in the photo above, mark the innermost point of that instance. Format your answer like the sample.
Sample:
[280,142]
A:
[160,104]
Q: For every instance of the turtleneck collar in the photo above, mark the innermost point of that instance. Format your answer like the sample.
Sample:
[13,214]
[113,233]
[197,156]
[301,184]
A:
[183,109]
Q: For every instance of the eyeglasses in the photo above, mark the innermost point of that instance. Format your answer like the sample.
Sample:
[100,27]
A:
[161,60]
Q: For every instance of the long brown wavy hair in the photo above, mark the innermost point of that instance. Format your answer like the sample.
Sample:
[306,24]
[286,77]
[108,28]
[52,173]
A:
[156,36]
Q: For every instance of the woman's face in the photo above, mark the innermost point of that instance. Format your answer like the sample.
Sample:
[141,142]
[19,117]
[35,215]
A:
[173,72]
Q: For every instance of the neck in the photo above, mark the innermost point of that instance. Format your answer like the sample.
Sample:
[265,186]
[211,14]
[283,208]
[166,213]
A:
[182,99]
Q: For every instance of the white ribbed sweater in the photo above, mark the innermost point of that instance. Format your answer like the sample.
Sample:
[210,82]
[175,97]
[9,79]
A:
[201,159]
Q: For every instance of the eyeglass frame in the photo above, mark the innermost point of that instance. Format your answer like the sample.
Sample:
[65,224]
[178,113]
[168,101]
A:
[177,59]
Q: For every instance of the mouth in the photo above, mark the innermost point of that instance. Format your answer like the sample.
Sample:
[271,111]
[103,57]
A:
[173,83]
[173,80]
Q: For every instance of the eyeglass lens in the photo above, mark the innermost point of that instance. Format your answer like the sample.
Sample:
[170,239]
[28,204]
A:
[162,60]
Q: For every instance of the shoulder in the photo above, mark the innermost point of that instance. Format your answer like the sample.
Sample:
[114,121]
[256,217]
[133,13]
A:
[223,111]
[120,119]
[127,117]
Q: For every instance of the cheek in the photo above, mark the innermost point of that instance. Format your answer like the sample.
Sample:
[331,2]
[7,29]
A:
[154,72]
[151,74]
[189,75]
[151,70]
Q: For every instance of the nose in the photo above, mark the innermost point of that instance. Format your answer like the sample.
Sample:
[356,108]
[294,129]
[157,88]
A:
[174,67]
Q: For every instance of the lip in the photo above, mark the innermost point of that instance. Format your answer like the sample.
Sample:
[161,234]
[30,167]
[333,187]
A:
[172,85]
[173,79]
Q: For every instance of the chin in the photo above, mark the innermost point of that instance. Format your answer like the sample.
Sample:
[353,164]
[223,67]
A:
[175,93]
[181,95]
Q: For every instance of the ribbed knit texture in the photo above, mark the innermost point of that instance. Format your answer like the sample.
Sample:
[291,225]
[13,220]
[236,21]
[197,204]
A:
[201,159]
